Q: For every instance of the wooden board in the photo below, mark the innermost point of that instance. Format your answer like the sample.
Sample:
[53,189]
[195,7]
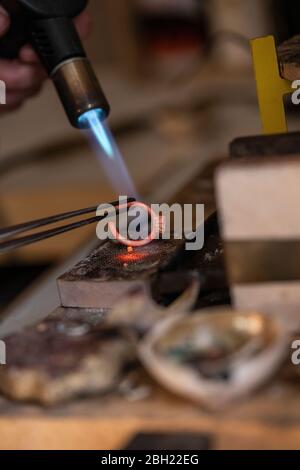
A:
[269,420]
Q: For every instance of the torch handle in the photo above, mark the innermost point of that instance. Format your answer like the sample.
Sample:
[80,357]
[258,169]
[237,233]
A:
[32,21]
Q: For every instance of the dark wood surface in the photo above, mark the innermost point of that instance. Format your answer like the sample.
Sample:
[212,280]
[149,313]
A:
[266,145]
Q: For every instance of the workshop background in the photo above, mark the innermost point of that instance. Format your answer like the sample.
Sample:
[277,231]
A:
[179,78]
[178,75]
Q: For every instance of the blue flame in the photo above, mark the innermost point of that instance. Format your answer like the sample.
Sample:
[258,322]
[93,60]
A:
[110,156]
[95,120]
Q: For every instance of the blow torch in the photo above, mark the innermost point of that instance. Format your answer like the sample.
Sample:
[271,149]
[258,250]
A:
[48,26]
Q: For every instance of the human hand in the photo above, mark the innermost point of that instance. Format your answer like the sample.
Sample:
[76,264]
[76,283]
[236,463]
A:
[25,75]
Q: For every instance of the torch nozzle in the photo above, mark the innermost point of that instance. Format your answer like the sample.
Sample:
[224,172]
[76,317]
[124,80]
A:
[79,90]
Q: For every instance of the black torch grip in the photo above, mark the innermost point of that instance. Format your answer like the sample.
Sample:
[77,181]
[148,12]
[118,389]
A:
[47,25]
[56,40]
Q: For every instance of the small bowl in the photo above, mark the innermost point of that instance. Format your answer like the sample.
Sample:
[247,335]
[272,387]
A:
[214,356]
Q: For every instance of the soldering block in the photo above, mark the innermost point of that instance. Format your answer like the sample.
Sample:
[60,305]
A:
[258,202]
[110,272]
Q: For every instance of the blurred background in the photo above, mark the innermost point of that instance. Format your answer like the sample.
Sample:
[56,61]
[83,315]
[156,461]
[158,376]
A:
[179,78]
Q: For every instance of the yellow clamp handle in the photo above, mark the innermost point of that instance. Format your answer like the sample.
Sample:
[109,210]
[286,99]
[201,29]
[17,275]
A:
[271,87]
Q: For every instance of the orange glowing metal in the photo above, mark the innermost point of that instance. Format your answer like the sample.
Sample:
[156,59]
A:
[129,258]
[157,224]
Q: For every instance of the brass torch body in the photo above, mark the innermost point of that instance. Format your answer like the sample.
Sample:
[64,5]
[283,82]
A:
[78,89]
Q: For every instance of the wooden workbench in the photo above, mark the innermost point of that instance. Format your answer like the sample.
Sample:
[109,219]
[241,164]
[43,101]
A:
[269,420]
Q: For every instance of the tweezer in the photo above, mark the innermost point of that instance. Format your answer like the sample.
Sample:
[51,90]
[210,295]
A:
[11,244]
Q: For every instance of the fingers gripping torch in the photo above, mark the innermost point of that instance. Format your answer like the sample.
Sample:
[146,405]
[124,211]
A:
[48,26]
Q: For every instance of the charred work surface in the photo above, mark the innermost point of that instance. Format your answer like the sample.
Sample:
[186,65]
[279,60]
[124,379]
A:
[165,264]
[264,146]
[51,348]
[209,263]
[112,262]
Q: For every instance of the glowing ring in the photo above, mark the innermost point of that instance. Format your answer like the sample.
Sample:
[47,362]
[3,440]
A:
[155,224]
